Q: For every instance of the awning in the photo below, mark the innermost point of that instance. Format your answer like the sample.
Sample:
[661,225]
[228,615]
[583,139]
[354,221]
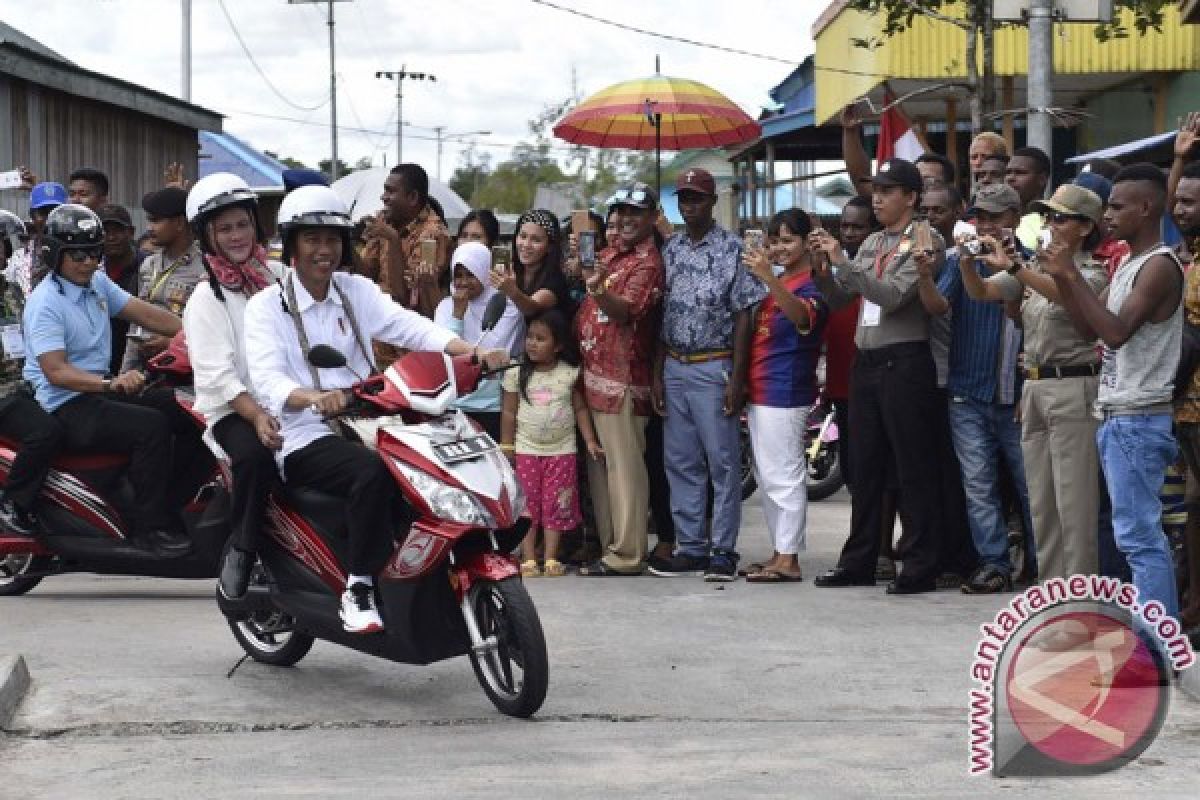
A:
[1153,148]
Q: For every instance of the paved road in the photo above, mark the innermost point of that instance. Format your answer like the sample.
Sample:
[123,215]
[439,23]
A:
[659,687]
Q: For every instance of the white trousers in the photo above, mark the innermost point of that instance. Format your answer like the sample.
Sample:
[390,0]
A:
[777,439]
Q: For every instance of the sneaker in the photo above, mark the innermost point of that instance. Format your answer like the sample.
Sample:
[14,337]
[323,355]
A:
[16,519]
[722,568]
[988,580]
[359,614]
[676,565]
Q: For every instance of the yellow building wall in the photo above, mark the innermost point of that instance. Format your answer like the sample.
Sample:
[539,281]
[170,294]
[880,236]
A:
[935,50]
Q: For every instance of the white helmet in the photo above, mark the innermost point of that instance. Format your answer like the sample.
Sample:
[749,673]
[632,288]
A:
[218,192]
[314,207]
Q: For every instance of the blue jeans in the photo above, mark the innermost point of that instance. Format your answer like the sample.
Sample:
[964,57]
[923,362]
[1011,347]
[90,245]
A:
[982,432]
[701,446]
[1135,451]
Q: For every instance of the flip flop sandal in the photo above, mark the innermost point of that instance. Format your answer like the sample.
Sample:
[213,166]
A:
[530,569]
[772,576]
[553,569]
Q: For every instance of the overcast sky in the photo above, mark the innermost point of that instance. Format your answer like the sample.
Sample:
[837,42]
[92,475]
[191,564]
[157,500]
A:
[497,62]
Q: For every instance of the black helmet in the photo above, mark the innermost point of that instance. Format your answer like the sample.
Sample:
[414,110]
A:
[12,232]
[71,227]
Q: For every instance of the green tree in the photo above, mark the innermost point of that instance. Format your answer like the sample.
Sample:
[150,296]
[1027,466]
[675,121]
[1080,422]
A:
[976,21]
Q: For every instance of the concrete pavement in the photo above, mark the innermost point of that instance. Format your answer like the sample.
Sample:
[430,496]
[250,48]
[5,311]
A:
[665,687]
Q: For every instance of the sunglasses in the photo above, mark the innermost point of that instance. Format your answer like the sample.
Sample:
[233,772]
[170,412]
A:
[1058,218]
[636,197]
[83,254]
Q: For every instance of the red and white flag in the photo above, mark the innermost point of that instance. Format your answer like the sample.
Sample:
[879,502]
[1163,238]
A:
[897,139]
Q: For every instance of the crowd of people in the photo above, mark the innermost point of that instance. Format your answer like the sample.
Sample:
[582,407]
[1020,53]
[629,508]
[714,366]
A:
[999,356]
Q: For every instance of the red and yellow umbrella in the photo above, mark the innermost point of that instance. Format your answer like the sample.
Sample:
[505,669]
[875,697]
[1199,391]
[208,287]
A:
[657,113]
[692,115]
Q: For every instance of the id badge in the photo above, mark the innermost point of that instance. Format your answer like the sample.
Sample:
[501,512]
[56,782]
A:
[601,317]
[870,314]
[12,341]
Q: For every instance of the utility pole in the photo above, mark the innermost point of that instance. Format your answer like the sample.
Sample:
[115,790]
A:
[440,132]
[1041,75]
[185,67]
[400,76]
[333,137]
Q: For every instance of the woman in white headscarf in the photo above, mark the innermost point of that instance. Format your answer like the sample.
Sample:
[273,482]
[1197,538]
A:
[462,313]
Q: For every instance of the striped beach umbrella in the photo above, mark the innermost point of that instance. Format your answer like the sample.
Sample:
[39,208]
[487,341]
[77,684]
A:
[657,113]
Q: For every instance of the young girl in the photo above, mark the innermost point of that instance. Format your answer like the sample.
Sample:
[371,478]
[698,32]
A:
[782,387]
[542,405]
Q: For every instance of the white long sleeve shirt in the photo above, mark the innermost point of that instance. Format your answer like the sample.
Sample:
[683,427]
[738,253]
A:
[214,331]
[276,361]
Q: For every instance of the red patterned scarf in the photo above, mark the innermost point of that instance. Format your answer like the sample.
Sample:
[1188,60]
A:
[250,277]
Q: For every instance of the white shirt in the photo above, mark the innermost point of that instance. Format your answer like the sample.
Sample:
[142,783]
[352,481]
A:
[277,365]
[215,346]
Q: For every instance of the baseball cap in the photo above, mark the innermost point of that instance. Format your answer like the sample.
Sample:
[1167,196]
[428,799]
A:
[1095,182]
[111,212]
[48,194]
[1074,200]
[696,180]
[295,178]
[898,172]
[638,195]
[995,198]
[166,203]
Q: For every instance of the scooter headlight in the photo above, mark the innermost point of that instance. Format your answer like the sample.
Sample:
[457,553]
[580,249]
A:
[446,501]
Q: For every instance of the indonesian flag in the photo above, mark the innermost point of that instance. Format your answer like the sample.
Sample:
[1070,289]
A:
[897,139]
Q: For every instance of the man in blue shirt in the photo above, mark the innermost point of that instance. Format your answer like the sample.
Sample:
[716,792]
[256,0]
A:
[699,382]
[68,344]
[983,388]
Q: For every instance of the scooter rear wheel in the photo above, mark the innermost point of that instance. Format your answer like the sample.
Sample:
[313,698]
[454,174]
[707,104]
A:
[269,637]
[512,666]
[14,579]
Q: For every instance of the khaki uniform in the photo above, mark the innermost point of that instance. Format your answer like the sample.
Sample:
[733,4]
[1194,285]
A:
[1058,431]
[166,283]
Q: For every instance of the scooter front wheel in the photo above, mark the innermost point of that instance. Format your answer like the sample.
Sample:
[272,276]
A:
[508,650]
[270,636]
[14,577]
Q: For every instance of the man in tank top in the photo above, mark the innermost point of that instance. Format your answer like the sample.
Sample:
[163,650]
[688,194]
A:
[1139,320]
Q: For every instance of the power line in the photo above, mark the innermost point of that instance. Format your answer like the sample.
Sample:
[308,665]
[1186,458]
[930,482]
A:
[259,70]
[694,43]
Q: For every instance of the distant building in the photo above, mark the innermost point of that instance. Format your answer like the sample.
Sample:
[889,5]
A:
[56,116]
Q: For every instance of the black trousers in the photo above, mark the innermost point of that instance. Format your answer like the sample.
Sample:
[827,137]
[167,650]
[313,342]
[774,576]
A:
[163,440]
[39,437]
[893,398]
[254,473]
[346,469]
[660,488]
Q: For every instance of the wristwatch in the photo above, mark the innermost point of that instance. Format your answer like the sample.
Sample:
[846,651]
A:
[107,384]
[1016,267]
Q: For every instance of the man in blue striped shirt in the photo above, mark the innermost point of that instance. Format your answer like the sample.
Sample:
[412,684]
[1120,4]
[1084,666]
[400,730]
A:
[983,387]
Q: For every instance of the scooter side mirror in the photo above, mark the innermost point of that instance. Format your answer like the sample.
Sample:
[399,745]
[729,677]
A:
[494,311]
[325,357]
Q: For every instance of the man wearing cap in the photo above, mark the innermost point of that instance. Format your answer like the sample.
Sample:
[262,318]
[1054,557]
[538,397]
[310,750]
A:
[893,392]
[121,262]
[616,326]
[983,386]
[166,278]
[1058,431]
[25,266]
[700,377]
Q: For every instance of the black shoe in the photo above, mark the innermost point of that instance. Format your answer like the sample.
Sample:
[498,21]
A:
[165,543]
[677,565]
[904,585]
[838,577]
[235,573]
[16,519]
[722,568]
[988,580]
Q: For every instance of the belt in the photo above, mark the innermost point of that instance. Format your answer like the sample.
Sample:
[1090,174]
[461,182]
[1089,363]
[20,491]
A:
[880,355]
[1076,371]
[1145,411]
[699,357]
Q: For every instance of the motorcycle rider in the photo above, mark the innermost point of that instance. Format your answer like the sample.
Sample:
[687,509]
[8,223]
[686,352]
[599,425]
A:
[315,304]
[68,344]
[37,434]
[224,216]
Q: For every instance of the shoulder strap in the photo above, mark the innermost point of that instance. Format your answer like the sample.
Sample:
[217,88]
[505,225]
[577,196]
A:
[301,335]
[358,337]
